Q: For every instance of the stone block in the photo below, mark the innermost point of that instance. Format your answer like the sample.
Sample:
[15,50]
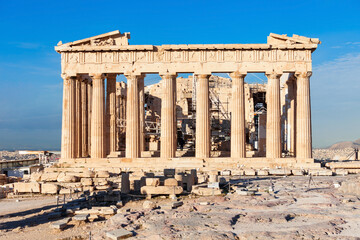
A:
[262,172]
[341,171]
[203,178]
[171,182]
[226,173]
[81,217]
[244,192]
[87,174]
[279,171]
[102,174]
[201,191]
[119,234]
[31,187]
[88,188]
[167,190]
[104,187]
[249,172]
[320,172]
[152,182]
[67,178]
[213,178]
[298,172]
[86,181]
[36,177]
[49,177]
[49,188]
[100,181]
[149,205]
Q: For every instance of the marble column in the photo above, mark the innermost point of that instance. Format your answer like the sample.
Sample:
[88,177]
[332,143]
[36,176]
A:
[68,141]
[89,107]
[273,118]
[132,118]
[84,119]
[202,117]
[111,113]
[168,117]
[238,130]
[98,117]
[142,113]
[303,116]
[78,117]
[291,116]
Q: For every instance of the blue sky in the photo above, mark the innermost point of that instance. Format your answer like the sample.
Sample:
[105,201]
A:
[31,86]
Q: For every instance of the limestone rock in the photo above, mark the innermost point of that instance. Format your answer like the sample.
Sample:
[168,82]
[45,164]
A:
[22,187]
[102,174]
[63,177]
[49,188]
[152,181]
[170,182]
[36,177]
[49,177]
[87,174]
[149,205]
[86,181]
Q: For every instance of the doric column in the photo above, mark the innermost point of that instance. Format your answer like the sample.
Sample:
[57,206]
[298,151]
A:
[273,120]
[132,118]
[142,113]
[68,141]
[98,117]
[291,116]
[111,113]
[202,117]
[89,106]
[303,116]
[78,118]
[168,116]
[84,119]
[238,148]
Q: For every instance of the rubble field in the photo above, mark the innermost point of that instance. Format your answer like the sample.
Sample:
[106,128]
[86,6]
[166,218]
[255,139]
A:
[292,207]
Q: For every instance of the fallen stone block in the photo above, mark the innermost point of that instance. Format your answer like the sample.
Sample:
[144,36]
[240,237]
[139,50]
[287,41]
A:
[119,234]
[49,188]
[298,172]
[86,181]
[320,172]
[340,171]
[87,174]
[249,172]
[36,177]
[149,205]
[167,190]
[201,191]
[279,171]
[262,172]
[97,211]
[152,181]
[66,178]
[171,182]
[100,181]
[106,187]
[226,173]
[102,174]
[31,187]
[81,217]
[49,177]
[60,225]
[171,205]
[244,192]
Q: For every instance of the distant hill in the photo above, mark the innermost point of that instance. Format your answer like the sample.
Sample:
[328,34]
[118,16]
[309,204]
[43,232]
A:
[346,144]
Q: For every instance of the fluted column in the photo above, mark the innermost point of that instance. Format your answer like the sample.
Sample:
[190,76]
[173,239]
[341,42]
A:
[202,117]
[168,116]
[68,141]
[303,116]
[132,118]
[142,113]
[291,116]
[273,120]
[98,117]
[78,118]
[89,107]
[84,119]
[238,130]
[111,113]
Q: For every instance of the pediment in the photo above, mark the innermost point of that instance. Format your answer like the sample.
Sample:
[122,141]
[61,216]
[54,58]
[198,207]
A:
[295,39]
[114,38]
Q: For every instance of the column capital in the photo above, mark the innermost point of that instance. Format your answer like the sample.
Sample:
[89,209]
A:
[168,75]
[238,74]
[97,76]
[273,75]
[202,75]
[306,74]
[134,75]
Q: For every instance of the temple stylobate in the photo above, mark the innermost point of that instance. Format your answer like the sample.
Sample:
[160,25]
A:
[89,120]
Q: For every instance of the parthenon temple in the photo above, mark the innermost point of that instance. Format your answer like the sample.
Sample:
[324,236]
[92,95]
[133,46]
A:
[131,125]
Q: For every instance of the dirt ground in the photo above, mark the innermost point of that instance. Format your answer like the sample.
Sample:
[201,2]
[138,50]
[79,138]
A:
[292,211]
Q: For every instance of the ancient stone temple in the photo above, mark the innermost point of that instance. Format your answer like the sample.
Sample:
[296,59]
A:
[91,112]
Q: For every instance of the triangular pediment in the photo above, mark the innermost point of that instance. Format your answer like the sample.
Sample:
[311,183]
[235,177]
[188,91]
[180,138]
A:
[114,38]
[295,39]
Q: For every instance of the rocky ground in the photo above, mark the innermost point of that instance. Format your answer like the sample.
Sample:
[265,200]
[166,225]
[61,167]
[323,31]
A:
[333,154]
[14,155]
[293,210]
